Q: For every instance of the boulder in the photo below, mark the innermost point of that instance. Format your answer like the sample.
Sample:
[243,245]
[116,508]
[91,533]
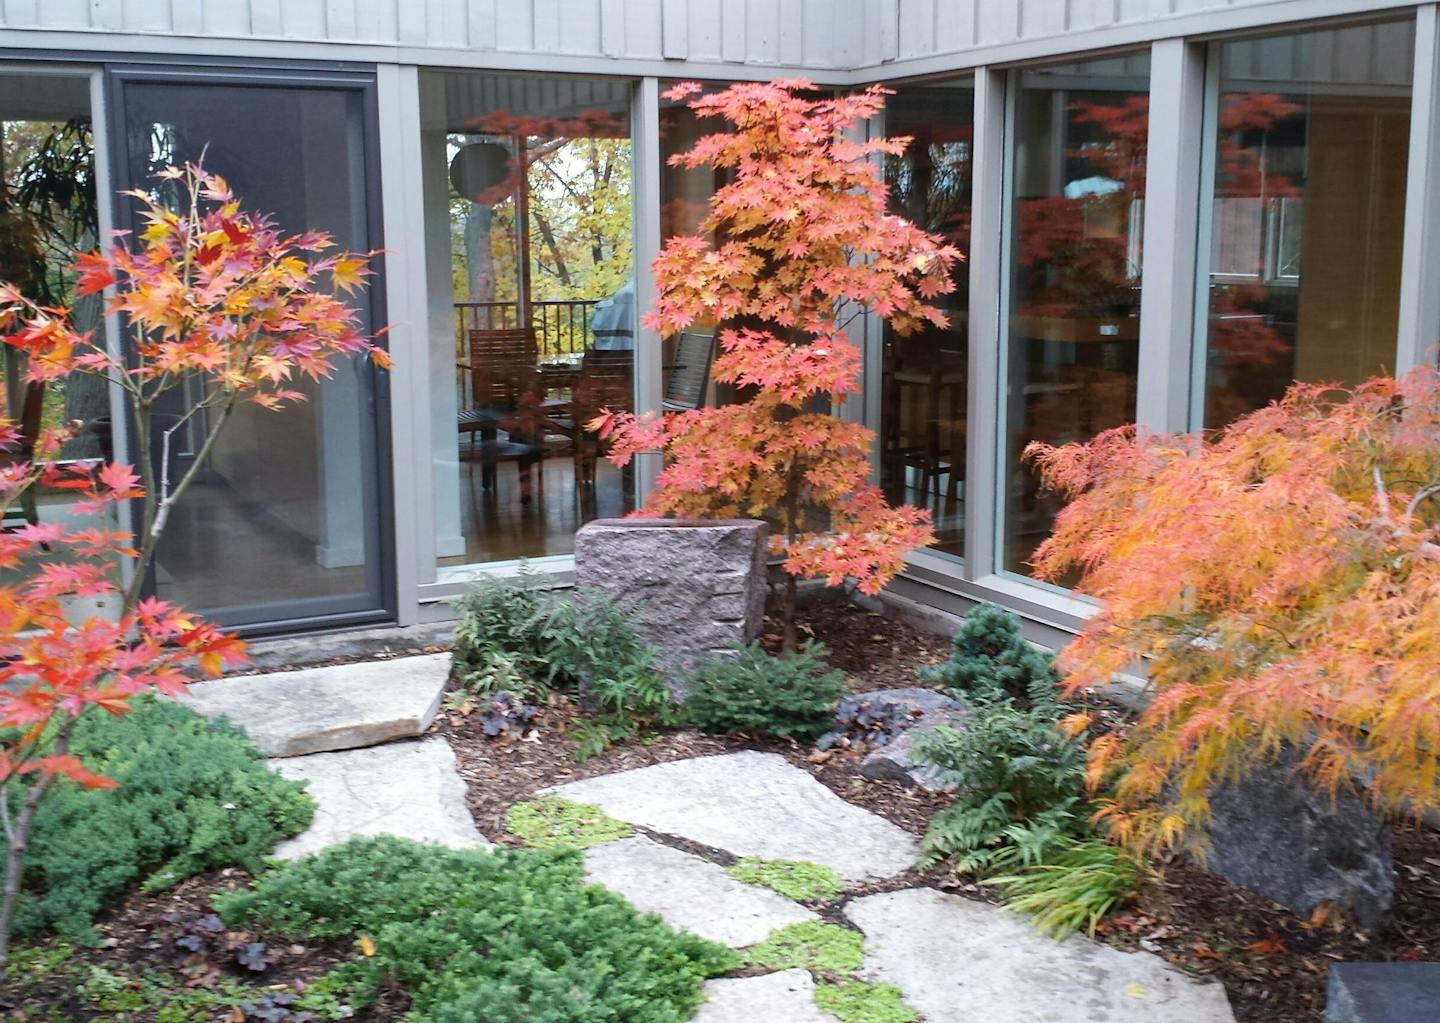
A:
[887,722]
[1277,835]
[1383,993]
[698,586]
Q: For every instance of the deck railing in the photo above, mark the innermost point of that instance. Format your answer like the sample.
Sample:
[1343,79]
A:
[561,327]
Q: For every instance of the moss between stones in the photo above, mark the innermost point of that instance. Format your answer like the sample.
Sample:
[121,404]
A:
[554,823]
[794,879]
[811,945]
[858,1002]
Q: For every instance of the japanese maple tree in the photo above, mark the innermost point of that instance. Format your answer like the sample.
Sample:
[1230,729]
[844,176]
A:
[1280,584]
[211,295]
[802,244]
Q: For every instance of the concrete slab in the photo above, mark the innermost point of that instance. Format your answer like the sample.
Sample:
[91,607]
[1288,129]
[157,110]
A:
[957,961]
[785,997]
[752,804]
[409,789]
[690,893]
[318,710]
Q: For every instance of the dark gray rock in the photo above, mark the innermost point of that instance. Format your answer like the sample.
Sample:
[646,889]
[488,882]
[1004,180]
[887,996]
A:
[1383,993]
[697,585]
[1275,834]
[886,721]
[894,762]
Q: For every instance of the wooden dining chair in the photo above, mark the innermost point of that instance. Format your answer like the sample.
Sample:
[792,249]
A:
[606,382]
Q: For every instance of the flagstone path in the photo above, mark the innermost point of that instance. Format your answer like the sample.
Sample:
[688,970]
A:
[354,734]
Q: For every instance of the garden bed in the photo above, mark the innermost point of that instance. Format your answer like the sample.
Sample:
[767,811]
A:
[1273,966]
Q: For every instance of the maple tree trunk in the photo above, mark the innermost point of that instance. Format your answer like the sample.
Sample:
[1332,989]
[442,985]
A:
[17,840]
[791,592]
[157,511]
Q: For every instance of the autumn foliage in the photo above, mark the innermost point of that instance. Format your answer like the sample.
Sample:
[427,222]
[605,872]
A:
[802,241]
[215,299]
[1280,584]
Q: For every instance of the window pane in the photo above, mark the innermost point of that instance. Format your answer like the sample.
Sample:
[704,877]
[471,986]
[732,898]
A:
[1308,211]
[285,521]
[924,379]
[1073,330]
[47,216]
[532,306]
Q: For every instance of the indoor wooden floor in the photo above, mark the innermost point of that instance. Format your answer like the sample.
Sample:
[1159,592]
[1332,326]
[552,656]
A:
[498,526]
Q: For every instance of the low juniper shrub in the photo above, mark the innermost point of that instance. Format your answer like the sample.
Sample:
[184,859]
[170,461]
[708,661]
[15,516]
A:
[753,692]
[504,936]
[193,795]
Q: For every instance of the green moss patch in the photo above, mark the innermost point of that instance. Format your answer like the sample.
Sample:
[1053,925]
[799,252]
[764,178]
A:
[815,946]
[858,1002]
[794,879]
[554,823]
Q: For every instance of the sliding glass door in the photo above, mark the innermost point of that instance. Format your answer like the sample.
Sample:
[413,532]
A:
[285,524]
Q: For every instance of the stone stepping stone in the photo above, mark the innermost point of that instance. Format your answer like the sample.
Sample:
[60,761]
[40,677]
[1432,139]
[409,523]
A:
[752,804]
[409,789]
[317,710]
[690,893]
[957,961]
[785,997]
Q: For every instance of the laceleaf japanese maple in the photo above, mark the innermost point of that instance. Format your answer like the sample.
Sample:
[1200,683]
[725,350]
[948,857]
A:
[802,242]
[217,300]
[210,294]
[1280,584]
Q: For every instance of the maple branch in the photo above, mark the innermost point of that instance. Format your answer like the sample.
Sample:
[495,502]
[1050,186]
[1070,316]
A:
[1433,490]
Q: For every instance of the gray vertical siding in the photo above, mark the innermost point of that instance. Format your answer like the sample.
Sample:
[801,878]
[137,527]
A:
[798,33]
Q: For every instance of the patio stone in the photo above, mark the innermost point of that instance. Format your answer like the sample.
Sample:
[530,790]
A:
[957,961]
[785,997]
[697,586]
[318,710]
[690,893]
[408,789]
[752,804]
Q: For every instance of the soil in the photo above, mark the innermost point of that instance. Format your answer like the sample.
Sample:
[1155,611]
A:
[174,939]
[1273,965]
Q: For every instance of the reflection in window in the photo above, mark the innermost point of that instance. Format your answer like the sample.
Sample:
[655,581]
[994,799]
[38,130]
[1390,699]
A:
[684,204]
[923,405]
[532,307]
[1307,212]
[47,217]
[1073,330]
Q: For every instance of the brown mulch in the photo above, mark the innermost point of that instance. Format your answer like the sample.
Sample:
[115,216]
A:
[1273,965]
[176,936]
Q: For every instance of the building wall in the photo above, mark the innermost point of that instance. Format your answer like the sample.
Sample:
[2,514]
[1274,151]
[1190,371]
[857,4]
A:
[794,33]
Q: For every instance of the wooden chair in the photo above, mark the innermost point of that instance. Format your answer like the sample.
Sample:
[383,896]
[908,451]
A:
[925,422]
[32,407]
[606,382]
[687,379]
[505,394]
